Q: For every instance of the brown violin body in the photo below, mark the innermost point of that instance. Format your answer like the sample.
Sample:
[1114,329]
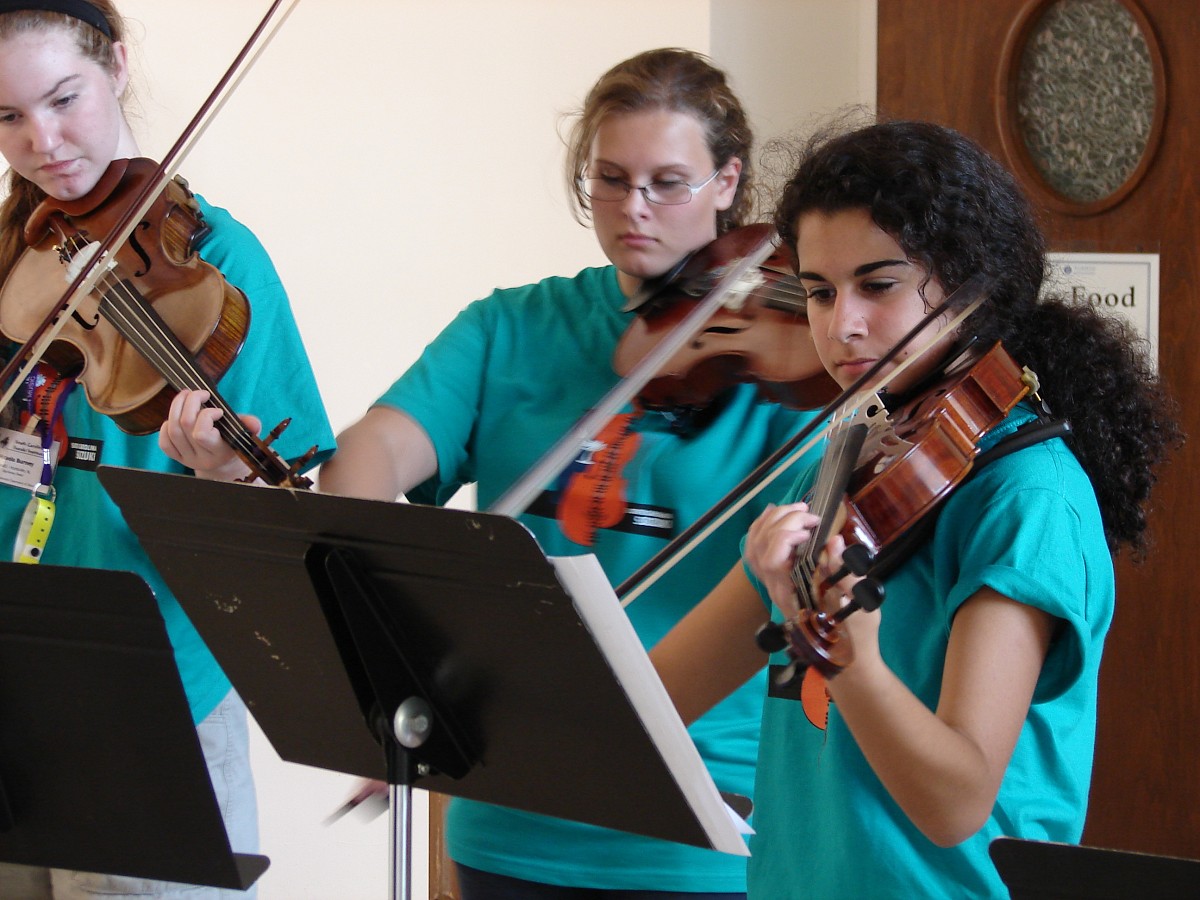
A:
[906,468]
[928,449]
[208,316]
[159,320]
[760,335]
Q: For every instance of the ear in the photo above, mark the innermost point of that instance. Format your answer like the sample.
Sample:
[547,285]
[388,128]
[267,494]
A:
[727,183]
[120,71]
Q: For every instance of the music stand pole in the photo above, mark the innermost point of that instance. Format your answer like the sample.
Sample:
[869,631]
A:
[391,678]
[400,833]
[408,727]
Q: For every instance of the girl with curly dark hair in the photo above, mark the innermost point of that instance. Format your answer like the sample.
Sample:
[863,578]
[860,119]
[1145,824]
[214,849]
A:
[969,710]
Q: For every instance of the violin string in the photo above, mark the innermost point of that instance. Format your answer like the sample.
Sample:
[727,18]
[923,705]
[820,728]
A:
[825,495]
[782,287]
[168,356]
[972,292]
[145,330]
[784,293]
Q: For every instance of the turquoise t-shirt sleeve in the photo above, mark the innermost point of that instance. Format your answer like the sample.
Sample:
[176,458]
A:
[271,377]
[1025,543]
[443,392]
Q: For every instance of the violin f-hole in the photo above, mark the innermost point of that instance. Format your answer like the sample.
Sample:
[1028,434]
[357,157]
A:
[84,324]
[140,250]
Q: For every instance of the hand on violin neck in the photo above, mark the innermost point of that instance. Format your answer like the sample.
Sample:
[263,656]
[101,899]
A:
[189,435]
[771,546]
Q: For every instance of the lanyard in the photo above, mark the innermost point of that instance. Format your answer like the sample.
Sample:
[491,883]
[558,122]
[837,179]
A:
[44,395]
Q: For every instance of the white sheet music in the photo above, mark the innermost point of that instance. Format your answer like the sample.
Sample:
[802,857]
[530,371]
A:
[601,612]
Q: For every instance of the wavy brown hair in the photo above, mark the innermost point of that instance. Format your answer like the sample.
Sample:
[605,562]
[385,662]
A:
[676,80]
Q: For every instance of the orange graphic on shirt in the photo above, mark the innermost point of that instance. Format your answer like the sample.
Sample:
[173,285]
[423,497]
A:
[594,496]
[814,697]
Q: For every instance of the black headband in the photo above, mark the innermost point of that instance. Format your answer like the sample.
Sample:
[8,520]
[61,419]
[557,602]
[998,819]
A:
[76,9]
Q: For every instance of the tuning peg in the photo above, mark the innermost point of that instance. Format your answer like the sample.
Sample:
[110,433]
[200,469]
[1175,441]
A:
[277,431]
[868,594]
[771,637]
[856,560]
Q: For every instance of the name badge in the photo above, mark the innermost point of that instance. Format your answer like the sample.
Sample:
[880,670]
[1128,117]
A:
[21,459]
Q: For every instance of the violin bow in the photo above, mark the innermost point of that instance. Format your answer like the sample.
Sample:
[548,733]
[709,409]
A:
[91,272]
[517,498]
[974,291]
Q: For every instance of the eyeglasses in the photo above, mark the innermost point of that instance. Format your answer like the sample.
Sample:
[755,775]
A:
[665,193]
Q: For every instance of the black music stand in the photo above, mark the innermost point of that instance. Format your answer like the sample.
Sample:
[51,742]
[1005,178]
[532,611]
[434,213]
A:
[100,766]
[450,629]
[1044,870]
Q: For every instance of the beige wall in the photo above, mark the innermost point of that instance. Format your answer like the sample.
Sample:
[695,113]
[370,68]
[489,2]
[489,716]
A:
[399,159]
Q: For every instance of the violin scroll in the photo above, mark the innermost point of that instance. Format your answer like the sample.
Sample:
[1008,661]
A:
[813,639]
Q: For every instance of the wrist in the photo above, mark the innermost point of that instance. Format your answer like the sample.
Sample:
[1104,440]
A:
[867,669]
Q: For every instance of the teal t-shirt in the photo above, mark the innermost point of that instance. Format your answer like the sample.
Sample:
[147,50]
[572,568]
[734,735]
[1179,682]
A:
[1028,526]
[270,378]
[495,390]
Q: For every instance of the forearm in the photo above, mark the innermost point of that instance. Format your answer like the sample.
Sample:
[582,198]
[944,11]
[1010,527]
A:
[711,651]
[380,457]
[936,774]
[944,767]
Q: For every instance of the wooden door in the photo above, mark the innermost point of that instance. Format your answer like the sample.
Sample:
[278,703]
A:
[442,882]
[951,61]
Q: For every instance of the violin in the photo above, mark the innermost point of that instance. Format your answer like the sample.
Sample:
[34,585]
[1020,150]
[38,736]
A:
[965,299]
[643,366]
[890,473]
[160,319]
[760,333]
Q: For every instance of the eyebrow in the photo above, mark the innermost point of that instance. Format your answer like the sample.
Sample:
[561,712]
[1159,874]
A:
[57,88]
[864,269]
[679,166]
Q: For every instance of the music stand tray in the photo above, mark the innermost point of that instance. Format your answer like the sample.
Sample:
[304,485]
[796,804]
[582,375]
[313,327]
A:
[100,766]
[327,612]
[1045,870]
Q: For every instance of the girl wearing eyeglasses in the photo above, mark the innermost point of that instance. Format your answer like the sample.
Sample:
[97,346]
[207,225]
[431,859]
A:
[659,161]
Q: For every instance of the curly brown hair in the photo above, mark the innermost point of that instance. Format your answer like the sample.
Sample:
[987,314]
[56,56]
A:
[956,211]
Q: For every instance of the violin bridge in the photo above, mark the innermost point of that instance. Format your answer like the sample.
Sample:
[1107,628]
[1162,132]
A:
[82,258]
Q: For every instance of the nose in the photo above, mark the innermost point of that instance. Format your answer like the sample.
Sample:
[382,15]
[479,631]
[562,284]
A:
[635,203]
[846,322]
[43,134]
